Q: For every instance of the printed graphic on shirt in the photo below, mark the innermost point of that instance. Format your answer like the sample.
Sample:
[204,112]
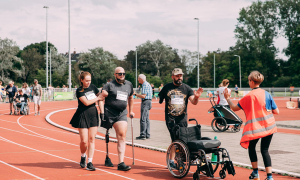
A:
[10,89]
[122,96]
[176,102]
[22,99]
[90,95]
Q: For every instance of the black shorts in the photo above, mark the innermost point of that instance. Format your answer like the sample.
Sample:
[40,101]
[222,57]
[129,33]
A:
[237,92]
[11,99]
[85,118]
[113,115]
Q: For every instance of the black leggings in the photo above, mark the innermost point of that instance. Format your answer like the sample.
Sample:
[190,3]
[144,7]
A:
[264,149]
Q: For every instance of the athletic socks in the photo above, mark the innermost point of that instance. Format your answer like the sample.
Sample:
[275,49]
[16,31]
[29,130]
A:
[83,155]
[269,176]
[90,160]
[255,171]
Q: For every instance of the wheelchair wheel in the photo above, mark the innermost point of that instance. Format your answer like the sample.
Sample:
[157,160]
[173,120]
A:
[196,176]
[219,124]
[178,151]
[222,174]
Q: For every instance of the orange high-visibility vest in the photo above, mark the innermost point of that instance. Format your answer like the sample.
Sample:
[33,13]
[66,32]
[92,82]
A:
[259,122]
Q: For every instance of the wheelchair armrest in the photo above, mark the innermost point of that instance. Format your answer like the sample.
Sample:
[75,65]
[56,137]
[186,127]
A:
[205,138]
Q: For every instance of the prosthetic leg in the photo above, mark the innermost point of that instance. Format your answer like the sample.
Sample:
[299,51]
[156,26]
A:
[107,159]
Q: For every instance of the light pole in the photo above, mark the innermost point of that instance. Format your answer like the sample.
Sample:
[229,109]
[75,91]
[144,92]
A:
[50,68]
[70,84]
[214,70]
[46,45]
[240,70]
[198,72]
[136,68]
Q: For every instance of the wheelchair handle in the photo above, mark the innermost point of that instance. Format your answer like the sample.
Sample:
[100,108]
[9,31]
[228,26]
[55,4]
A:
[193,119]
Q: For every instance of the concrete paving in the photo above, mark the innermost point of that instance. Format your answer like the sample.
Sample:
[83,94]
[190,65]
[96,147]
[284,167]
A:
[284,148]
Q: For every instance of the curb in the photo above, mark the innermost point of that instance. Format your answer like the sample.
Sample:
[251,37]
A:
[47,118]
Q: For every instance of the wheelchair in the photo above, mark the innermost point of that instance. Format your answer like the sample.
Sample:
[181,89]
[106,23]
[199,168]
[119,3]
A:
[190,149]
[17,108]
[224,118]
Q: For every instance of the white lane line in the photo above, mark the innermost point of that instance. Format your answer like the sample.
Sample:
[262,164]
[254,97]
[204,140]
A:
[6,140]
[48,138]
[20,169]
[99,137]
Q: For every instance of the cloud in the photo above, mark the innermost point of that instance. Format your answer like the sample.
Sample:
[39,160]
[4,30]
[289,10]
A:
[121,25]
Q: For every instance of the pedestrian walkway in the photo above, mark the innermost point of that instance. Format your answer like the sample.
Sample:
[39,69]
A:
[284,149]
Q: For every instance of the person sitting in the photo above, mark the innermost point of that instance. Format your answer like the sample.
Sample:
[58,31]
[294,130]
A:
[22,100]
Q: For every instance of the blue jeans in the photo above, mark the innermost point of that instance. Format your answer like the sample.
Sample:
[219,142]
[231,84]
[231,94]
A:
[22,104]
[144,121]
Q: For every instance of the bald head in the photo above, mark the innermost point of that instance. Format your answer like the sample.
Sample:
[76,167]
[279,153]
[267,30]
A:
[119,69]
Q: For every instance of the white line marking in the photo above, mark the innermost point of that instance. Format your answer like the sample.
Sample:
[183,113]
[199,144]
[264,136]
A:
[6,140]
[21,169]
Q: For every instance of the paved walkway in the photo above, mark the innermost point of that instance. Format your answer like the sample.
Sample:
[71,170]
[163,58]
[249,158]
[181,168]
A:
[284,149]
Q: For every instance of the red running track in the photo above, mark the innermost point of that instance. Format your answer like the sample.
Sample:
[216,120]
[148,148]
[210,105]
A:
[33,149]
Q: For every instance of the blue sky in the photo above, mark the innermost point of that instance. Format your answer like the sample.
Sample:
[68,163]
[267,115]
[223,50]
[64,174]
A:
[120,25]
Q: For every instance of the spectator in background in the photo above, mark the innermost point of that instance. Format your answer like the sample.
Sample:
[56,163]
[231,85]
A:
[11,91]
[50,90]
[146,105]
[37,96]
[25,89]
[292,90]
[221,90]
[160,87]
[152,86]
[64,88]
[1,91]
[236,91]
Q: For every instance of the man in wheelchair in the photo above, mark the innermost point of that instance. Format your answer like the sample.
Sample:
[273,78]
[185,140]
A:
[21,102]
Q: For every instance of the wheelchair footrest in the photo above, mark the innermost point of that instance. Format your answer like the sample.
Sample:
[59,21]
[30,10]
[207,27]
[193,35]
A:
[207,168]
[230,168]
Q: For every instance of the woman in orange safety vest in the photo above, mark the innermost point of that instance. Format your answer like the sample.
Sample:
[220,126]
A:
[259,107]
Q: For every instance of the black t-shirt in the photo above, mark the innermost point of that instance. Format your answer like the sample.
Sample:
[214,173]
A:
[118,94]
[11,90]
[22,98]
[176,100]
[88,93]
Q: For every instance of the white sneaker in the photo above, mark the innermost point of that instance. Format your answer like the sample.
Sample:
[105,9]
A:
[34,114]
[38,113]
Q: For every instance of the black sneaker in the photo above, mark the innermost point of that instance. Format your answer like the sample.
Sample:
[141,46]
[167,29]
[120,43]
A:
[140,138]
[122,167]
[10,113]
[148,137]
[108,162]
[90,167]
[83,162]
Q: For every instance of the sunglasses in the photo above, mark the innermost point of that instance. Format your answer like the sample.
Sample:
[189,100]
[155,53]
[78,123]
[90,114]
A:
[120,74]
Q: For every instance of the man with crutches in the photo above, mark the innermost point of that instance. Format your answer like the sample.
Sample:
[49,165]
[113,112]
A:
[120,94]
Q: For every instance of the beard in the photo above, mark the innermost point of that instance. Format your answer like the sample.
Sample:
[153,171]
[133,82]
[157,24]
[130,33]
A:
[120,81]
[178,82]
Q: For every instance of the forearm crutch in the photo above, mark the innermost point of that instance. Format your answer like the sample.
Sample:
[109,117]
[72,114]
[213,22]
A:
[132,143]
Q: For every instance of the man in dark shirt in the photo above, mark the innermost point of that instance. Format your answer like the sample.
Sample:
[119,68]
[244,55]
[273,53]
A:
[120,94]
[11,91]
[21,100]
[176,95]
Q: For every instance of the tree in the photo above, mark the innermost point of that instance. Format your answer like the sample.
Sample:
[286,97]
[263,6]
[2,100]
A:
[40,47]
[99,63]
[32,60]
[156,52]
[255,33]
[10,64]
